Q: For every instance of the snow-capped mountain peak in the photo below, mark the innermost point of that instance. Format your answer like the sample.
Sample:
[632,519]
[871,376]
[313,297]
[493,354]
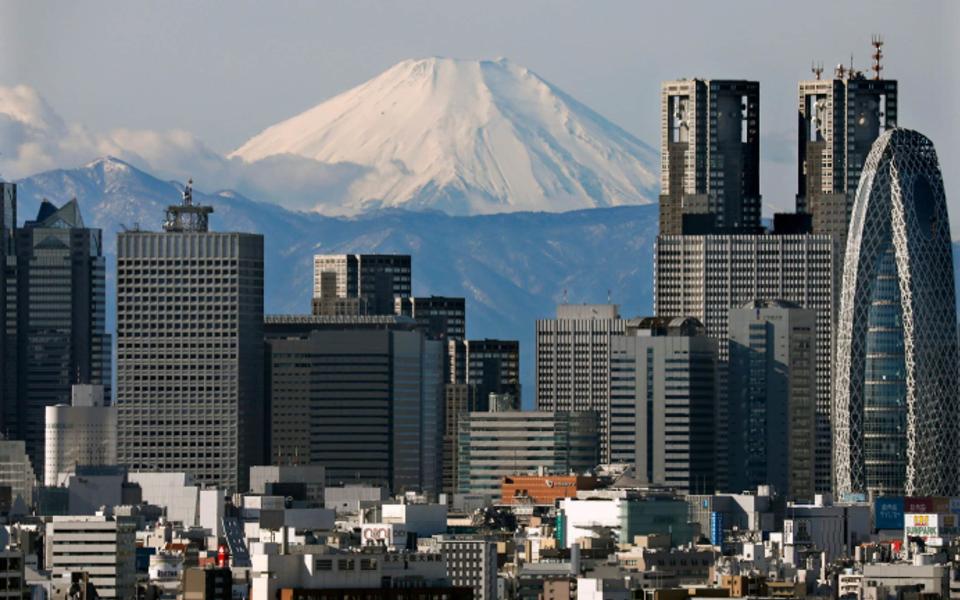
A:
[466,136]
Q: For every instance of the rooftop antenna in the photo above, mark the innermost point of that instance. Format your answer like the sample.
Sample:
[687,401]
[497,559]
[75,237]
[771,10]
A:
[564,296]
[608,297]
[876,41]
[188,193]
[817,69]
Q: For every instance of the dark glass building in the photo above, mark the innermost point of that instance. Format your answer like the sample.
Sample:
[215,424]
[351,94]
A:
[55,327]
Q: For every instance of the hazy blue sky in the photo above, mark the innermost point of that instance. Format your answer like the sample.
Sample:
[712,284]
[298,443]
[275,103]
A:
[225,70]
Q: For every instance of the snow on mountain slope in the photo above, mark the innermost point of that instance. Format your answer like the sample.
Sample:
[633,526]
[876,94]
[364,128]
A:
[467,137]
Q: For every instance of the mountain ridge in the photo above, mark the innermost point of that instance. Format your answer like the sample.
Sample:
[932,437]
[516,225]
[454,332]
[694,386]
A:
[511,267]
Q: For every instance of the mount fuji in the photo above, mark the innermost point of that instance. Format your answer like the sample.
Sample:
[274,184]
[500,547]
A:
[464,137]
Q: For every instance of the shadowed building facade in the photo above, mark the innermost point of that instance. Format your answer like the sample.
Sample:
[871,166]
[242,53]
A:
[56,320]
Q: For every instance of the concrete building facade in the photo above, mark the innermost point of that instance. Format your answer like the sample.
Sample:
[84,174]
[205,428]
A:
[664,388]
[359,284]
[493,445]
[573,362]
[705,276]
[190,349]
[83,433]
[101,546]
[709,156]
[838,121]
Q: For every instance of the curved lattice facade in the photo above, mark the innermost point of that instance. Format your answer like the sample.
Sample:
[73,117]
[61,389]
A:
[897,412]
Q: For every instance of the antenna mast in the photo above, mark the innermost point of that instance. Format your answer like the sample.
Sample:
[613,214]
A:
[877,42]
[817,69]
[187,216]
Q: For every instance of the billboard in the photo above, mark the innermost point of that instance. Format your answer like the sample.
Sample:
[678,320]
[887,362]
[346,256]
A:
[913,504]
[888,512]
[716,528]
[955,505]
[930,525]
[382,534]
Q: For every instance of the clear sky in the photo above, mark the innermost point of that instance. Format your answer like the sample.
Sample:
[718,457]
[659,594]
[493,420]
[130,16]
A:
[226,70]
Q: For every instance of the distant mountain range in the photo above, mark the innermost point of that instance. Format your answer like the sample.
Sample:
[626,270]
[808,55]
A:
[512,268]
[464,137]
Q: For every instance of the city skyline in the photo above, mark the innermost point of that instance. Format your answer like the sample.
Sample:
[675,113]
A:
[612,77]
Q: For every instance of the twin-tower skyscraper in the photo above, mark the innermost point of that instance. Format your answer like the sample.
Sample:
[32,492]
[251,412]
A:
[868,249]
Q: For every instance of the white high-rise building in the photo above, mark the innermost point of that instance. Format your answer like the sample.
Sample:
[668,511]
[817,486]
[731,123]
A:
[82,434]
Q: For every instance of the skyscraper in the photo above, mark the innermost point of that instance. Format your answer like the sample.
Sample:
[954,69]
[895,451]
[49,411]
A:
[56,325]
[361,396]
[663,393]
[359,284]
[709,156]
[897,415]
[190,349]
[772,397]
[440,317]
[573,362]
[838,121]
[8,224]
[704,276]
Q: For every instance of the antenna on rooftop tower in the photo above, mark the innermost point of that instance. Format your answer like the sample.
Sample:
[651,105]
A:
[817,69]
[876,41]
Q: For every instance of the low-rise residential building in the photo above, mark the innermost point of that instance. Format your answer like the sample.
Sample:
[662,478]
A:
[101,546]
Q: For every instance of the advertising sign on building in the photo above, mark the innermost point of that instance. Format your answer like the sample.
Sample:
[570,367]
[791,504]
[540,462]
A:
[888,512]
[912,504]
[928,526]
[716,528]
[940,504]
[955,505]
[380,534]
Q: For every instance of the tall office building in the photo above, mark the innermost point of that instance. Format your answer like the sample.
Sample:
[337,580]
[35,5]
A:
[838,121]
[359,284]
[56,319]
[491,365]
[897,418]
[772,397]
[458,400]
[709,156]
[663,384]
[573,362]
[705,276]
[8,224]
[494,445]
[190,349]
[440,317]
[362,396]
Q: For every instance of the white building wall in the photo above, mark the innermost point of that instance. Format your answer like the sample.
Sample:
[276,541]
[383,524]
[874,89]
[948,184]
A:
[78,436]
[175,492]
